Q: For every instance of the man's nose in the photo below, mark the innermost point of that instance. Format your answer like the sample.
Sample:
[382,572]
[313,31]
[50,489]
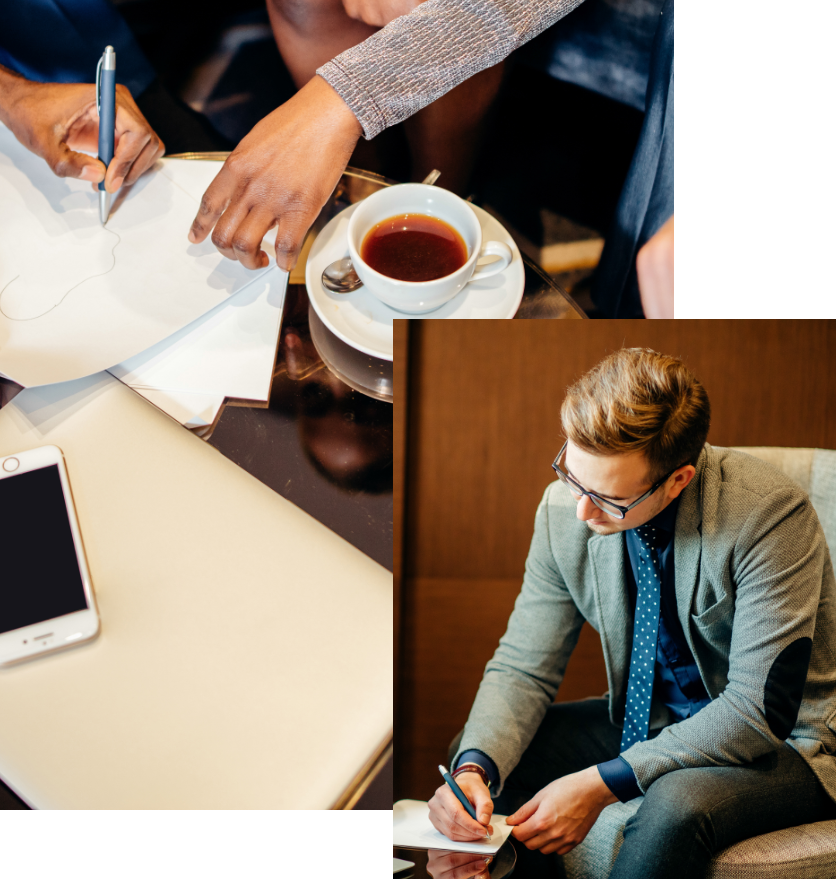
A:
[586,509]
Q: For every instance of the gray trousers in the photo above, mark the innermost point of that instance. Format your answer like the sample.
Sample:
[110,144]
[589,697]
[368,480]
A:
[687,816]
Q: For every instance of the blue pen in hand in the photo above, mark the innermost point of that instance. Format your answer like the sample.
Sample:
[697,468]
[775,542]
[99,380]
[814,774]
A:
[451,783]
[106,105]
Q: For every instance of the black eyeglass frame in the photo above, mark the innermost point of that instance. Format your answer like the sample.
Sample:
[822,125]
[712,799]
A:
[622,511]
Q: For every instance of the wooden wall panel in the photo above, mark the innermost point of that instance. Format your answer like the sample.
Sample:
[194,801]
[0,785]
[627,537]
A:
[399,422]
[484,426]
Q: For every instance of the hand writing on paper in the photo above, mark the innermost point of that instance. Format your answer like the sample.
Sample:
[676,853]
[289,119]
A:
[654,267]
[448,816]
[281,173]
[457,865]
[54,120]
[559,816]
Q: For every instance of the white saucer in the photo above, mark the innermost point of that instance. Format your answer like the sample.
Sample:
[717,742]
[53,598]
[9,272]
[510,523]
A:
[364,322]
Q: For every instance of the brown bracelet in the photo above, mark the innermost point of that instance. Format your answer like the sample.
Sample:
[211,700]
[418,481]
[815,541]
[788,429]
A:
[474,767]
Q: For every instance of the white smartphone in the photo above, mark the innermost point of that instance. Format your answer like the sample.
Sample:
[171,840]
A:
[46,597]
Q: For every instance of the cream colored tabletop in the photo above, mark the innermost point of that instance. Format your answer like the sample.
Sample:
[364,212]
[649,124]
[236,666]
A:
[245,655]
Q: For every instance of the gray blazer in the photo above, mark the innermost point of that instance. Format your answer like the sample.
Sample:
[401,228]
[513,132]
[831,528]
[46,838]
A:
[757,601]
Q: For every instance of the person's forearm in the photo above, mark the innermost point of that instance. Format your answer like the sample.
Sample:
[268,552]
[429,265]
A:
[421,56]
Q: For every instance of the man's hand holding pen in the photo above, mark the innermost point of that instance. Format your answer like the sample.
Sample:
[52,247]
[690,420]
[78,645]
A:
[449,817]
[56,120]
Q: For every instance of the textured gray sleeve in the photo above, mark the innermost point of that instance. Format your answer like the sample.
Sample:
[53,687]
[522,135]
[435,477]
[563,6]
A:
[524,674]
[421,56]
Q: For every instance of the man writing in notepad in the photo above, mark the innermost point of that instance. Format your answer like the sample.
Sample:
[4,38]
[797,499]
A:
[707,575]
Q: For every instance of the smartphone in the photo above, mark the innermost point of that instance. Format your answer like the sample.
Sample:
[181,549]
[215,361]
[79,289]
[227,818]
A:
[46,596]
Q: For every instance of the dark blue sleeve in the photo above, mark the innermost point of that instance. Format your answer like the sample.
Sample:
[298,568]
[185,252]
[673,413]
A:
[62,41]
[619,777]
[485,762]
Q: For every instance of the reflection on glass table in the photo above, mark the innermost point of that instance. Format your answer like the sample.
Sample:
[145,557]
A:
[366,374]
[456,865]
[324,441]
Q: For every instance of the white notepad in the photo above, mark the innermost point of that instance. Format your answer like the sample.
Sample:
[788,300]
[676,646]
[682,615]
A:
[412,829]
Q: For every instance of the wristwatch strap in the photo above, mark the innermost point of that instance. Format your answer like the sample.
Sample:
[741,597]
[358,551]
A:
[474,767]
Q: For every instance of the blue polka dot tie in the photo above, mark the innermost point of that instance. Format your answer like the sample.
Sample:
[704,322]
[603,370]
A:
[645,634]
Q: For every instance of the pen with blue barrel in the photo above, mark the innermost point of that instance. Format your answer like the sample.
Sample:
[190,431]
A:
[451,783]
[106,105]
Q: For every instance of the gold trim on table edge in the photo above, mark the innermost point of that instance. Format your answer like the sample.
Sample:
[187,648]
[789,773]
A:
[360,783]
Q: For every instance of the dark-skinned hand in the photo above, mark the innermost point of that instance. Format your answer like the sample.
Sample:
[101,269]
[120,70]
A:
[55,120]
[280,175]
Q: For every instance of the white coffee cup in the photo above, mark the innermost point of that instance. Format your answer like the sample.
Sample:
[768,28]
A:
[418,297]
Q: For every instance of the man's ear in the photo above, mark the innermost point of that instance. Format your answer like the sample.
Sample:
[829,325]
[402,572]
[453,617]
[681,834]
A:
[681,480]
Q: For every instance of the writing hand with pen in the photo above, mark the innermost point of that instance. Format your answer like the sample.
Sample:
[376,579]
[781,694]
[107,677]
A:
[555,819]
[449,816]
[57,120]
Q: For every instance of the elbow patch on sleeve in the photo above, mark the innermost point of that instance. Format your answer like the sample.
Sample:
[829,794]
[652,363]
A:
[785,685]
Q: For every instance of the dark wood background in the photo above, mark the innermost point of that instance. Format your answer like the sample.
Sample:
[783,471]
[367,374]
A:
[476,433]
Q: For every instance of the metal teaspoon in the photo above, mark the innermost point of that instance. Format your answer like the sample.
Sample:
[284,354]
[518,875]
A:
[339,276]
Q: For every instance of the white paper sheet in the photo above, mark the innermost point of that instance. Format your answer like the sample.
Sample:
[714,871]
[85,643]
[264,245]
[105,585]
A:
[412,829]
[191,410]
[229,351]
[77,298]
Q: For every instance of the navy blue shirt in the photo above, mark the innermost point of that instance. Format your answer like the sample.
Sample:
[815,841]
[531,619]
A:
[676,680]
[62,41]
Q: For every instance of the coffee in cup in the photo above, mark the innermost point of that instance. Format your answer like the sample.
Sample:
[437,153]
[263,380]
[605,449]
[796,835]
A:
[414,247]
[394,271]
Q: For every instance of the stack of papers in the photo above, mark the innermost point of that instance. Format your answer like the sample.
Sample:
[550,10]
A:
[227,353]
[177,322]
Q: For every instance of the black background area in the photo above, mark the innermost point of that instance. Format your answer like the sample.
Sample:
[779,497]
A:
[40,577]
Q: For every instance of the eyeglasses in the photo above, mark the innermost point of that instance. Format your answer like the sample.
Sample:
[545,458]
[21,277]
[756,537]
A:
[609,507]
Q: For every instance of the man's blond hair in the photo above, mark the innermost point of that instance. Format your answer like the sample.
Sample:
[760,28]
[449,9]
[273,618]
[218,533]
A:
[637,400]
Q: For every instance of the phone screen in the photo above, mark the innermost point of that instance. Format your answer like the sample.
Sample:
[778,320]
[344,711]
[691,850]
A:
[39,573]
